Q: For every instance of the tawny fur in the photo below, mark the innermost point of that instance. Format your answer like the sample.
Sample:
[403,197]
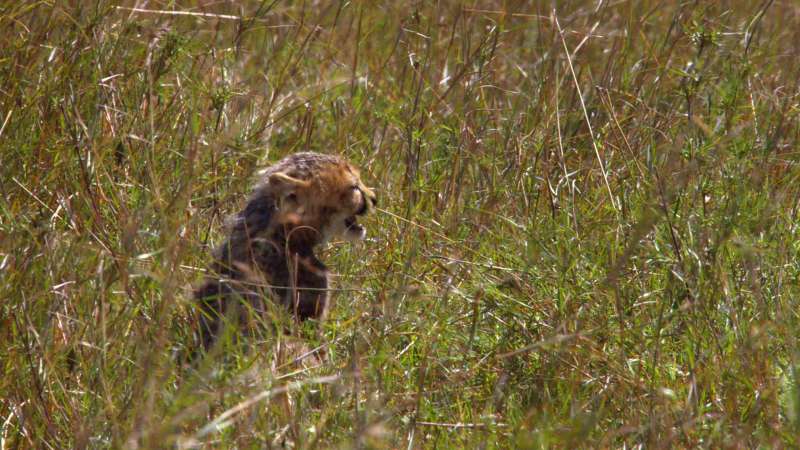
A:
[300,202]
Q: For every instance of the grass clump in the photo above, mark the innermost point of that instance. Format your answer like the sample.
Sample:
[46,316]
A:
[587,234]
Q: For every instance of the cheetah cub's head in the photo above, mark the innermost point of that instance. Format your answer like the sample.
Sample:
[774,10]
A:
[321,194]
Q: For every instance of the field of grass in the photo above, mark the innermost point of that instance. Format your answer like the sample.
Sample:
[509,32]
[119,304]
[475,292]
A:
[587,234]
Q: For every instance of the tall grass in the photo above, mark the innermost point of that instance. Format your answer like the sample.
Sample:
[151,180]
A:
[588,232]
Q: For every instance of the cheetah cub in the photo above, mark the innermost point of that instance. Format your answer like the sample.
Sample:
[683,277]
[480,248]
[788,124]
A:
[300,202]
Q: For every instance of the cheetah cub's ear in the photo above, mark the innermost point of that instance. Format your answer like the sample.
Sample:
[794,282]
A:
[285,184]
[288,191]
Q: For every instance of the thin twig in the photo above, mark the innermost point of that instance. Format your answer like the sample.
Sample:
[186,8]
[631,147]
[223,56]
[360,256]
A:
[180,13]
[557,339]
[461,425]
[5,122]
[411,222]
[224,419]
[585,113]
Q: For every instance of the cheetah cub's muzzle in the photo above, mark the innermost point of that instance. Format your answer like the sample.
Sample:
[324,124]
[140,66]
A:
[354,231]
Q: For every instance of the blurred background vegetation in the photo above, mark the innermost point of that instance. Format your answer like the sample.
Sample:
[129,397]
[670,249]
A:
[588,232]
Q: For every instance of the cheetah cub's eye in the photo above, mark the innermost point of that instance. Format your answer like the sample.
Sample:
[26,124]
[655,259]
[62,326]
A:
[292,197]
